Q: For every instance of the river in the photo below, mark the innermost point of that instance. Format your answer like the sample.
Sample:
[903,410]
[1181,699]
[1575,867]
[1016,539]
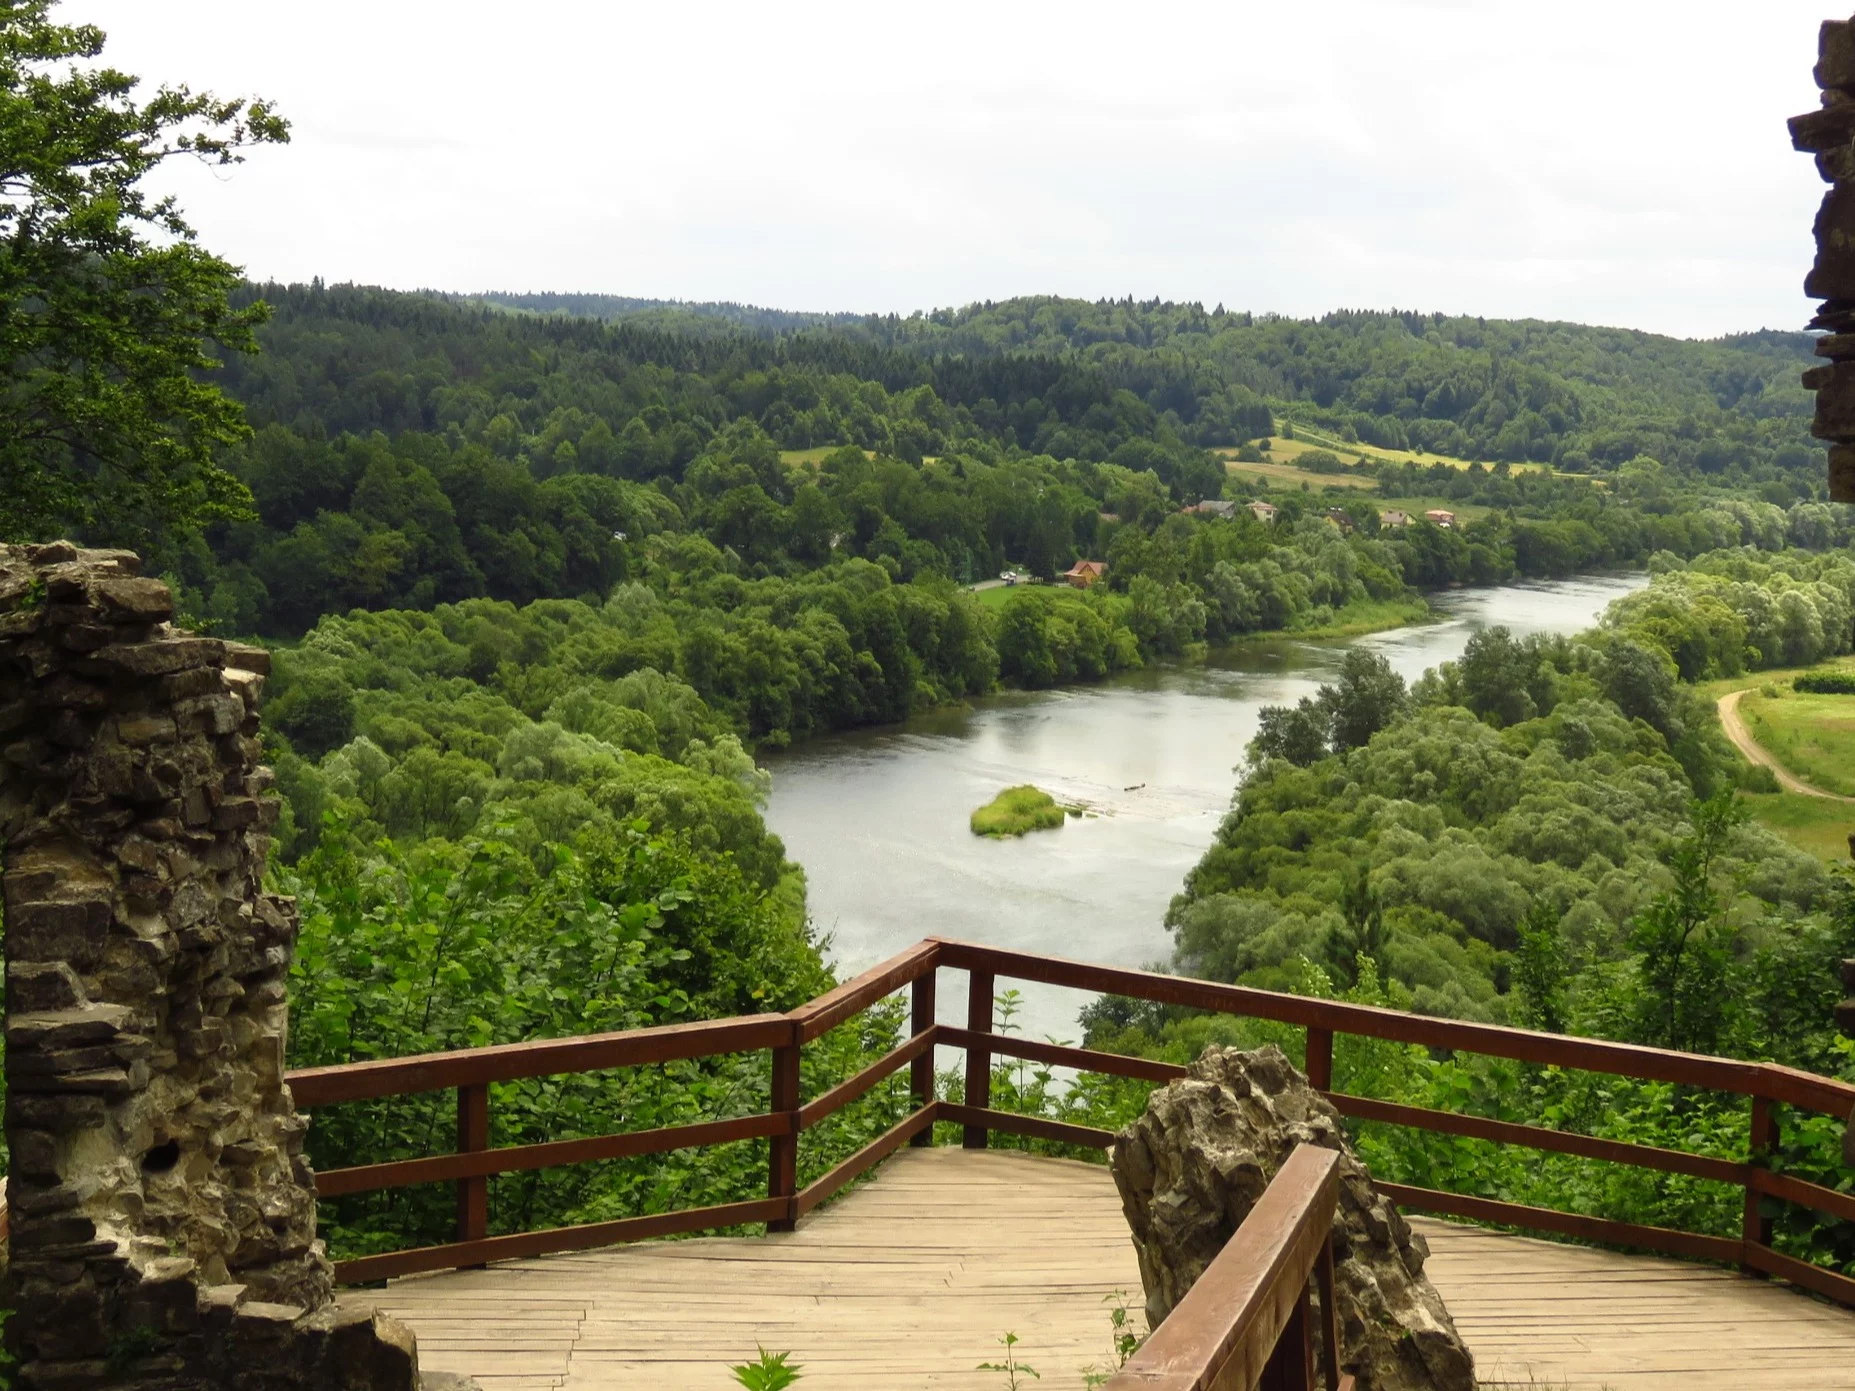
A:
[878,817]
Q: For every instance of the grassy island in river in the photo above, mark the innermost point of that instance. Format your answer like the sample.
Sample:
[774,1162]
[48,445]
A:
[1017,811]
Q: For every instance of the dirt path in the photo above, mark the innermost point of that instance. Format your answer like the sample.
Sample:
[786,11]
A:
[1742,739]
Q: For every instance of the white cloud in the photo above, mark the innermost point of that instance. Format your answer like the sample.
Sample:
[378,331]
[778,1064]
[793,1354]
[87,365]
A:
[1618,162]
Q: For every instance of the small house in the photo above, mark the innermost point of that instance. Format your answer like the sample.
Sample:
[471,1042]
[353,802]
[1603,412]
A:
[1394,516]
[1085,572]
[1263,511]
[1341,518]
[1440,517]
[1212,507]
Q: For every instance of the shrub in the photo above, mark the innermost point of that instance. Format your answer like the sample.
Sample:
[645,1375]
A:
[1826,683]
[1017,810]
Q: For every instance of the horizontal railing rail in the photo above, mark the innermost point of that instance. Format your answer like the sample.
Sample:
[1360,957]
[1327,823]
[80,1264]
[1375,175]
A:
[1247,1324]
[471,1073]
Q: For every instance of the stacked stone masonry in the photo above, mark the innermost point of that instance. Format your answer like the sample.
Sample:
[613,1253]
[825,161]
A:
[1829,134]
[162,1216]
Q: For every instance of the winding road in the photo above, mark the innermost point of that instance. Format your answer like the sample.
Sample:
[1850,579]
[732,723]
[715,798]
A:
[1736,730]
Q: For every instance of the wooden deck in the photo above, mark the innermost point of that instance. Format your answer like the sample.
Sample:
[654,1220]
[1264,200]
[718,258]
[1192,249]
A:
[909,1280]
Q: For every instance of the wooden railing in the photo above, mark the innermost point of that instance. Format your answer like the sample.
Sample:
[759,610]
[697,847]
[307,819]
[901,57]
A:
[472,1071]
[1247,1322]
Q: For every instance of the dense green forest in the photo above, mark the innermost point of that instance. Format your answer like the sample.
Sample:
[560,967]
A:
[543,573]
[1572,395]
[540,585]
[1543,833]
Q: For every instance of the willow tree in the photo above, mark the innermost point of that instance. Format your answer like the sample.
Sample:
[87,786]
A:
[110,310]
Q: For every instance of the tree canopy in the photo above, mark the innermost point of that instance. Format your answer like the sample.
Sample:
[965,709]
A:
[108,304]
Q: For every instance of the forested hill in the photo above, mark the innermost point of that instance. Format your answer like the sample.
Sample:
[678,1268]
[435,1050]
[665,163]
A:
[412,451]
[1577,396]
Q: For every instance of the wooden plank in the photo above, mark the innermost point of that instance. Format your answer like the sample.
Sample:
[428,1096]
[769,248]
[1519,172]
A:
[1062,1055]
[845,1092]
[906,1280]
[1225,1331]
[871,1154]
[859,993]
[1827,1283]
[782,1178]
[1754,1227]
[1539,1219]
[580,1238]
[506,1062]
[1554,1050]
[923,1020]
[982,1119]
[1805,1194]
[1319,1055]
[509,1159]
[473,1135]
[1542,1138]
[978,1093]
[1825,1095]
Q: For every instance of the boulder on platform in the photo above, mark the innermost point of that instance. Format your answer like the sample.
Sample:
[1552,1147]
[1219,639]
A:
[1191,1168]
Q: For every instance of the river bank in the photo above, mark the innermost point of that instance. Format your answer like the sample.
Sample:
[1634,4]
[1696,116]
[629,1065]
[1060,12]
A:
[879,818]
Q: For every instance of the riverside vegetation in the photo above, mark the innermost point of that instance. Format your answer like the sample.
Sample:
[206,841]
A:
[1018,811]
[542,573]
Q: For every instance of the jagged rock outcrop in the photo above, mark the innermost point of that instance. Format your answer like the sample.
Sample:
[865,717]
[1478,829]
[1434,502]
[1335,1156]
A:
[1191,1168]
[163,1218]
[1829,134]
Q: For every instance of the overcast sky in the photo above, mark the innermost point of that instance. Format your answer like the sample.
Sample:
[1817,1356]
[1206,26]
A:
[1607,161]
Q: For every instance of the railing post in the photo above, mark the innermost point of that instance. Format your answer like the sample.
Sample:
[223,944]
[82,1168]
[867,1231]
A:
[1755,1230]
[782,1180]
[473,1134]
[1329,1314]
[921,1070]
[978,1060]
[1320,1059]
[1291,1365]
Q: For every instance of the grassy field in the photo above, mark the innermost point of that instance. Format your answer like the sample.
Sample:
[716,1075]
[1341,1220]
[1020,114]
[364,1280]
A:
[1361,617]
[1274,473]
[996,597]
[1017,811]
[1812,735]
[815,456]
[1417,506]
[1815,824]
[1310,437]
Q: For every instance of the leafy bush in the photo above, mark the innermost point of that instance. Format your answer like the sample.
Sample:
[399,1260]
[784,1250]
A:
[1017,811]
[482,943]
[1826,683]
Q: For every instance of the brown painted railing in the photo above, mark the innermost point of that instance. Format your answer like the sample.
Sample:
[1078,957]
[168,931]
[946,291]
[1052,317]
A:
[1247,1323]
[471,1072]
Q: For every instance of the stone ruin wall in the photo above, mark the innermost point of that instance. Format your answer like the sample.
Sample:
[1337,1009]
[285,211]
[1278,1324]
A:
[163,1219]
[1829,134]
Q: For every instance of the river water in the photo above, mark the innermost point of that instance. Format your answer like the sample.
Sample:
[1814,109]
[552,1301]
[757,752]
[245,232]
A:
[878,818]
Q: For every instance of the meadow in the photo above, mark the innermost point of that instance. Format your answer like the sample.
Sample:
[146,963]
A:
[1819,825]
[1812,735]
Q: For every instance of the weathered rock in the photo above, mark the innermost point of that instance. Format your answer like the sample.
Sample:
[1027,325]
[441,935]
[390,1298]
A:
[1829,134]
[157,1185]
[1191,1168]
